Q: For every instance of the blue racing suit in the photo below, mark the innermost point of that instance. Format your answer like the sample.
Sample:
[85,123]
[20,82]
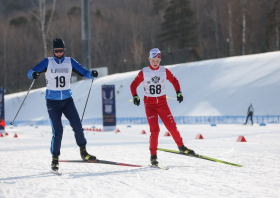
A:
[61,101]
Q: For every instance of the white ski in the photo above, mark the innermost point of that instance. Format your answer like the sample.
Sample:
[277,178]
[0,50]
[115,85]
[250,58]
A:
[56,172]
[159,167]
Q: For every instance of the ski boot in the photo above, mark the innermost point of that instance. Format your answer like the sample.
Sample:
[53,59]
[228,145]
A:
[154,161]
[185,150]
[85,156]
[55,164]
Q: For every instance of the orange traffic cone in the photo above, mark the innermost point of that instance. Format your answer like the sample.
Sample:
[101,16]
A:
[199,136]
[241,138]
[15,136]
[167,134]
[143,132]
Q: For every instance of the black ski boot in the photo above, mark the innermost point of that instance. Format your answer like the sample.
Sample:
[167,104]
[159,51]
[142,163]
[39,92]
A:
[85,156]
[154,161]
[186,150]
[55,164]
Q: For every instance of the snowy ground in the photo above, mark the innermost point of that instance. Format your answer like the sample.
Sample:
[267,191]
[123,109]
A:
[24,165]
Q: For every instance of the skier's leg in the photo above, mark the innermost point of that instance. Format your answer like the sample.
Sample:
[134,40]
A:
[247,118]
[71,113]
[251,118]
[169,122]
[55,113]
[152,118]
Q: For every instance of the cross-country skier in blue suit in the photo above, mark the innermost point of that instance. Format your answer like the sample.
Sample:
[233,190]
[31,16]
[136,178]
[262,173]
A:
[59,97]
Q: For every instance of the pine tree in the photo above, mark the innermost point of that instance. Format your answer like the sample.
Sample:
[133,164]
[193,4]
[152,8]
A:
[179,26]
[272,28]
[159,5]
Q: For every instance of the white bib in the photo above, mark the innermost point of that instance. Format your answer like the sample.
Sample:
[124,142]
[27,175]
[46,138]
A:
[154,81]
[58,75]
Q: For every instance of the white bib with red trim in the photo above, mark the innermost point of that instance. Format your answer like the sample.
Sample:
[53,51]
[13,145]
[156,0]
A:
[154,81]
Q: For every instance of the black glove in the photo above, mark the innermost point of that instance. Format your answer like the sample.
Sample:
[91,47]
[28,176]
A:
[179,96]
[94,73]
[136,100]
[35,75]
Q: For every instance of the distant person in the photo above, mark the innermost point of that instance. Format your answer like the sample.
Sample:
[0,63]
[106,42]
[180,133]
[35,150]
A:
[154,81]
[250,113]
[59,97]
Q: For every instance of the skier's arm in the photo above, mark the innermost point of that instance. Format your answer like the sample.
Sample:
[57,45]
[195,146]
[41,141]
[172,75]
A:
[136,82]
[41,67]
[173,80]
[80,70]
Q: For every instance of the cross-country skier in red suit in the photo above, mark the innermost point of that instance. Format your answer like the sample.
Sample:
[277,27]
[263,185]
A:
[154,79]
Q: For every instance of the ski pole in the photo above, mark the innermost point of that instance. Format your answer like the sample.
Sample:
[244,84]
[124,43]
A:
[171,98]
[86,101]
[166,98]
[12,123]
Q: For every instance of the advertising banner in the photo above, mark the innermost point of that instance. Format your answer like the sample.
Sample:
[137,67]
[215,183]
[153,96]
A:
[109,107]
[2,116]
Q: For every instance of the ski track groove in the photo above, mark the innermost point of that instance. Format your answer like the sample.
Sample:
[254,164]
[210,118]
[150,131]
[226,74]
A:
[86,179]
[205,190]
[90,171]
[18,194]
[5,192]
[133,189]
[69,189]
[224,153]
[92,189]
[64,181]
[129,184]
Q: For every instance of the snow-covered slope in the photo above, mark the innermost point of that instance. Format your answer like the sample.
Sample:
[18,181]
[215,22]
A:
[210,88]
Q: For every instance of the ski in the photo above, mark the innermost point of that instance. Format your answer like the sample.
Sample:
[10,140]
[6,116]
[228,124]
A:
[101,162]
[56,172]
[112,163]
[159,167]
[200,156]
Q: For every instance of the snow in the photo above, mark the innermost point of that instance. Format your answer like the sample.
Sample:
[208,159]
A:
[25,163]
[211,88]
[216,87]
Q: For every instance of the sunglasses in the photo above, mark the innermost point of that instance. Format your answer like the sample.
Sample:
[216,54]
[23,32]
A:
[58,51]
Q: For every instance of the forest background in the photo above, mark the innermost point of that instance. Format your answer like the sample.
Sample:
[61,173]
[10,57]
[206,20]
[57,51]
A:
[123,32]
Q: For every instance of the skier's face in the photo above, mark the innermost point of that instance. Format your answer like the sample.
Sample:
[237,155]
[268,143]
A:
[154,62]
[58,52]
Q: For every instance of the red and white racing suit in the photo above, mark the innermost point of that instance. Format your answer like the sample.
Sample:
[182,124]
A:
[155,102]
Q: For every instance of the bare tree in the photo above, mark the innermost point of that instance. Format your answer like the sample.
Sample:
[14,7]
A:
[198,18]
[42,19]
[136,46]
[243,26]
[213,15]
[276,2]
[231,42]
[137,50]
[4,45]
